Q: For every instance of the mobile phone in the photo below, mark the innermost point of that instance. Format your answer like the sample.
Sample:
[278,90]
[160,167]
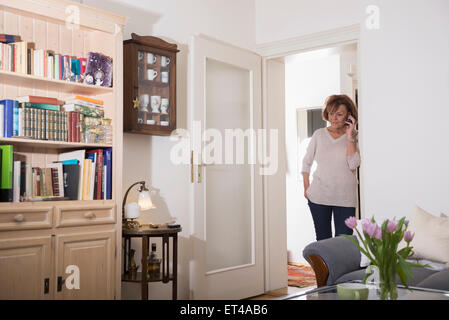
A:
[348,120]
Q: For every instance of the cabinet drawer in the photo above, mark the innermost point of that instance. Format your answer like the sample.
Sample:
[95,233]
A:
[72,216]
[26,218]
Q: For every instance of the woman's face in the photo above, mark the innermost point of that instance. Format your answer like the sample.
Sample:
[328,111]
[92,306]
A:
[338,117]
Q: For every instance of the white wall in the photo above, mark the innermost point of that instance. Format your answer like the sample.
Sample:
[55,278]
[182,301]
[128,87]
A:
[403,81]
[283,19]
[404,97]
[147,157]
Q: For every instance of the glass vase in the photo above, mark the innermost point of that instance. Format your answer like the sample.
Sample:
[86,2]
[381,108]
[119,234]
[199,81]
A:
[387,286]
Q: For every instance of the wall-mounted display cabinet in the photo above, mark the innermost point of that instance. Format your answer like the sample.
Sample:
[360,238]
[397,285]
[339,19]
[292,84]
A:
[149,73]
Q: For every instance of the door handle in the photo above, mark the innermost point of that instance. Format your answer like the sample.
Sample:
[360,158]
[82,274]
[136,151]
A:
[46,285]
[60,283]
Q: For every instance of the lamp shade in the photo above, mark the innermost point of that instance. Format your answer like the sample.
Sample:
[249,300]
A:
[145,202]
[132,211]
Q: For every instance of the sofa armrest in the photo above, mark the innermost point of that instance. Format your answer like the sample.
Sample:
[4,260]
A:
[332,258]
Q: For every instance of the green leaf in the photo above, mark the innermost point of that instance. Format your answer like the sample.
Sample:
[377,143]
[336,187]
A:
[405,267]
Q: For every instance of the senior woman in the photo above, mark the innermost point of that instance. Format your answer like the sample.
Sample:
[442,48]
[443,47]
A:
[334,184]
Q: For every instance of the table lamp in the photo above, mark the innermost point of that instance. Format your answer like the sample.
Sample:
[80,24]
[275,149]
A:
[131,211]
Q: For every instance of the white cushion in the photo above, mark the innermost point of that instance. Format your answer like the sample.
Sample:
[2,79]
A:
[431,241]
[364,261]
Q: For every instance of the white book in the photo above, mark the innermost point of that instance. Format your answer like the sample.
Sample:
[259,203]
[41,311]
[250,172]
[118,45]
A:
[56,68]
[16,182]
[50,67]
[29,181]
[21,123]
[2,120]
[78,155]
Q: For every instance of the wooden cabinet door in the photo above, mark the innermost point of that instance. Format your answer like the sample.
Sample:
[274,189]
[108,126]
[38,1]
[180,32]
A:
[25,268]
[93,255]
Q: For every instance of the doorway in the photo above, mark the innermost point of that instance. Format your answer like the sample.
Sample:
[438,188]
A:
[310,77]
[301,232]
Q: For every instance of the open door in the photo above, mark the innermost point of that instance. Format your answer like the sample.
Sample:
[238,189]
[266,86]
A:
[227,192]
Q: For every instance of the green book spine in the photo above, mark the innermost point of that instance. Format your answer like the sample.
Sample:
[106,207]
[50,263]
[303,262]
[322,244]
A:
[41,106]
[7,166]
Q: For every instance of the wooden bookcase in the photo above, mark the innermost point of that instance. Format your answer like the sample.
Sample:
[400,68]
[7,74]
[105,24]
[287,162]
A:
[39,240]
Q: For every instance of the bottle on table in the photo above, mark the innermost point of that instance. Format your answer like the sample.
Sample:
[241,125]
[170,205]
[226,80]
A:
[154,264]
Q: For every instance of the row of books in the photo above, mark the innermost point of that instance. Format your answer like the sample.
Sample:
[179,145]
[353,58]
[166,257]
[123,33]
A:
[77,175]
[27,117]
[22,57]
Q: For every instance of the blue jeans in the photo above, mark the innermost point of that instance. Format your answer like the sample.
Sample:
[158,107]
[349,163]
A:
[322,215]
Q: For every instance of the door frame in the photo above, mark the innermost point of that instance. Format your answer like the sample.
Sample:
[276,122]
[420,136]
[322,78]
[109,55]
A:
[276,260]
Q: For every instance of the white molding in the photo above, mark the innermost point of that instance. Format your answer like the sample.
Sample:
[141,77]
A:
[285,47]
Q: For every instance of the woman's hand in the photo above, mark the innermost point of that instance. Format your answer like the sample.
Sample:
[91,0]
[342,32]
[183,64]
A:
[305,195]
[350,128]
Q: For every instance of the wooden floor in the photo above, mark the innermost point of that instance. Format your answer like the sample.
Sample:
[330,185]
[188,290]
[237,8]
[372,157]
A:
[284,292]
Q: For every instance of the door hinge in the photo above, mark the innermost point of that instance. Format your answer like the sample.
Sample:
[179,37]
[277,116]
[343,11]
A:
[46,285]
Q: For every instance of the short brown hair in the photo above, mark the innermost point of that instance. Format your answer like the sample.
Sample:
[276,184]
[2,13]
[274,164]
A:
[334,101]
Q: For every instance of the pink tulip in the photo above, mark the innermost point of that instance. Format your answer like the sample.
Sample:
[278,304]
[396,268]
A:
[408,236]
[391,226]
[351,222]
[378,233]
[369,227]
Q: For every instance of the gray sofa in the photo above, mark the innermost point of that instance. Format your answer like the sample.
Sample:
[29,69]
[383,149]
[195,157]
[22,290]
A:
[337,260]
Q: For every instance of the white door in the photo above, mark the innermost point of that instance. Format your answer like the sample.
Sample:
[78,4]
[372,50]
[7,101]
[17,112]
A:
[227,186]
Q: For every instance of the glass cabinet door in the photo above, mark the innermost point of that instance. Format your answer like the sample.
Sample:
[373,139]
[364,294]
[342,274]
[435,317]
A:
[154,72]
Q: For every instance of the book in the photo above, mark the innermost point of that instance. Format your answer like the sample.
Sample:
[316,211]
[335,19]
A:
[8,117]
[8,38]
[77,155]
[57,178]
[88,111]
[6,183]
[99,163]
[88,99]
[43,106]
[2,119]
[15,124]
[108,164]
[16,182]
[38,99]
[86,179]
[71,180]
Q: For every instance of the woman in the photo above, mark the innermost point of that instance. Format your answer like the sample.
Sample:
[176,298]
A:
[334,185]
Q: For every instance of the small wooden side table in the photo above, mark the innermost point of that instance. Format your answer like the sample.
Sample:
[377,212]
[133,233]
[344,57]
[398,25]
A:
[146,232]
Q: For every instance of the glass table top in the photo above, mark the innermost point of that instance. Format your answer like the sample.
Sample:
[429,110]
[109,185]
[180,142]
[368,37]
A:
[413,293]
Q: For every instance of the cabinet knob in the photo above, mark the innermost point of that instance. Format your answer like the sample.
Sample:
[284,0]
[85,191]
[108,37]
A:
[19,218]
[90,215]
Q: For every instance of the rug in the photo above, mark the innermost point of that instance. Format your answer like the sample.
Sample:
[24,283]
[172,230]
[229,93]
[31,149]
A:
[300,275]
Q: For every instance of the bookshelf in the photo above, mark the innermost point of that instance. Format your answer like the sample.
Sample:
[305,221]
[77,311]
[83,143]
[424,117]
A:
[55,234]
[16,79]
